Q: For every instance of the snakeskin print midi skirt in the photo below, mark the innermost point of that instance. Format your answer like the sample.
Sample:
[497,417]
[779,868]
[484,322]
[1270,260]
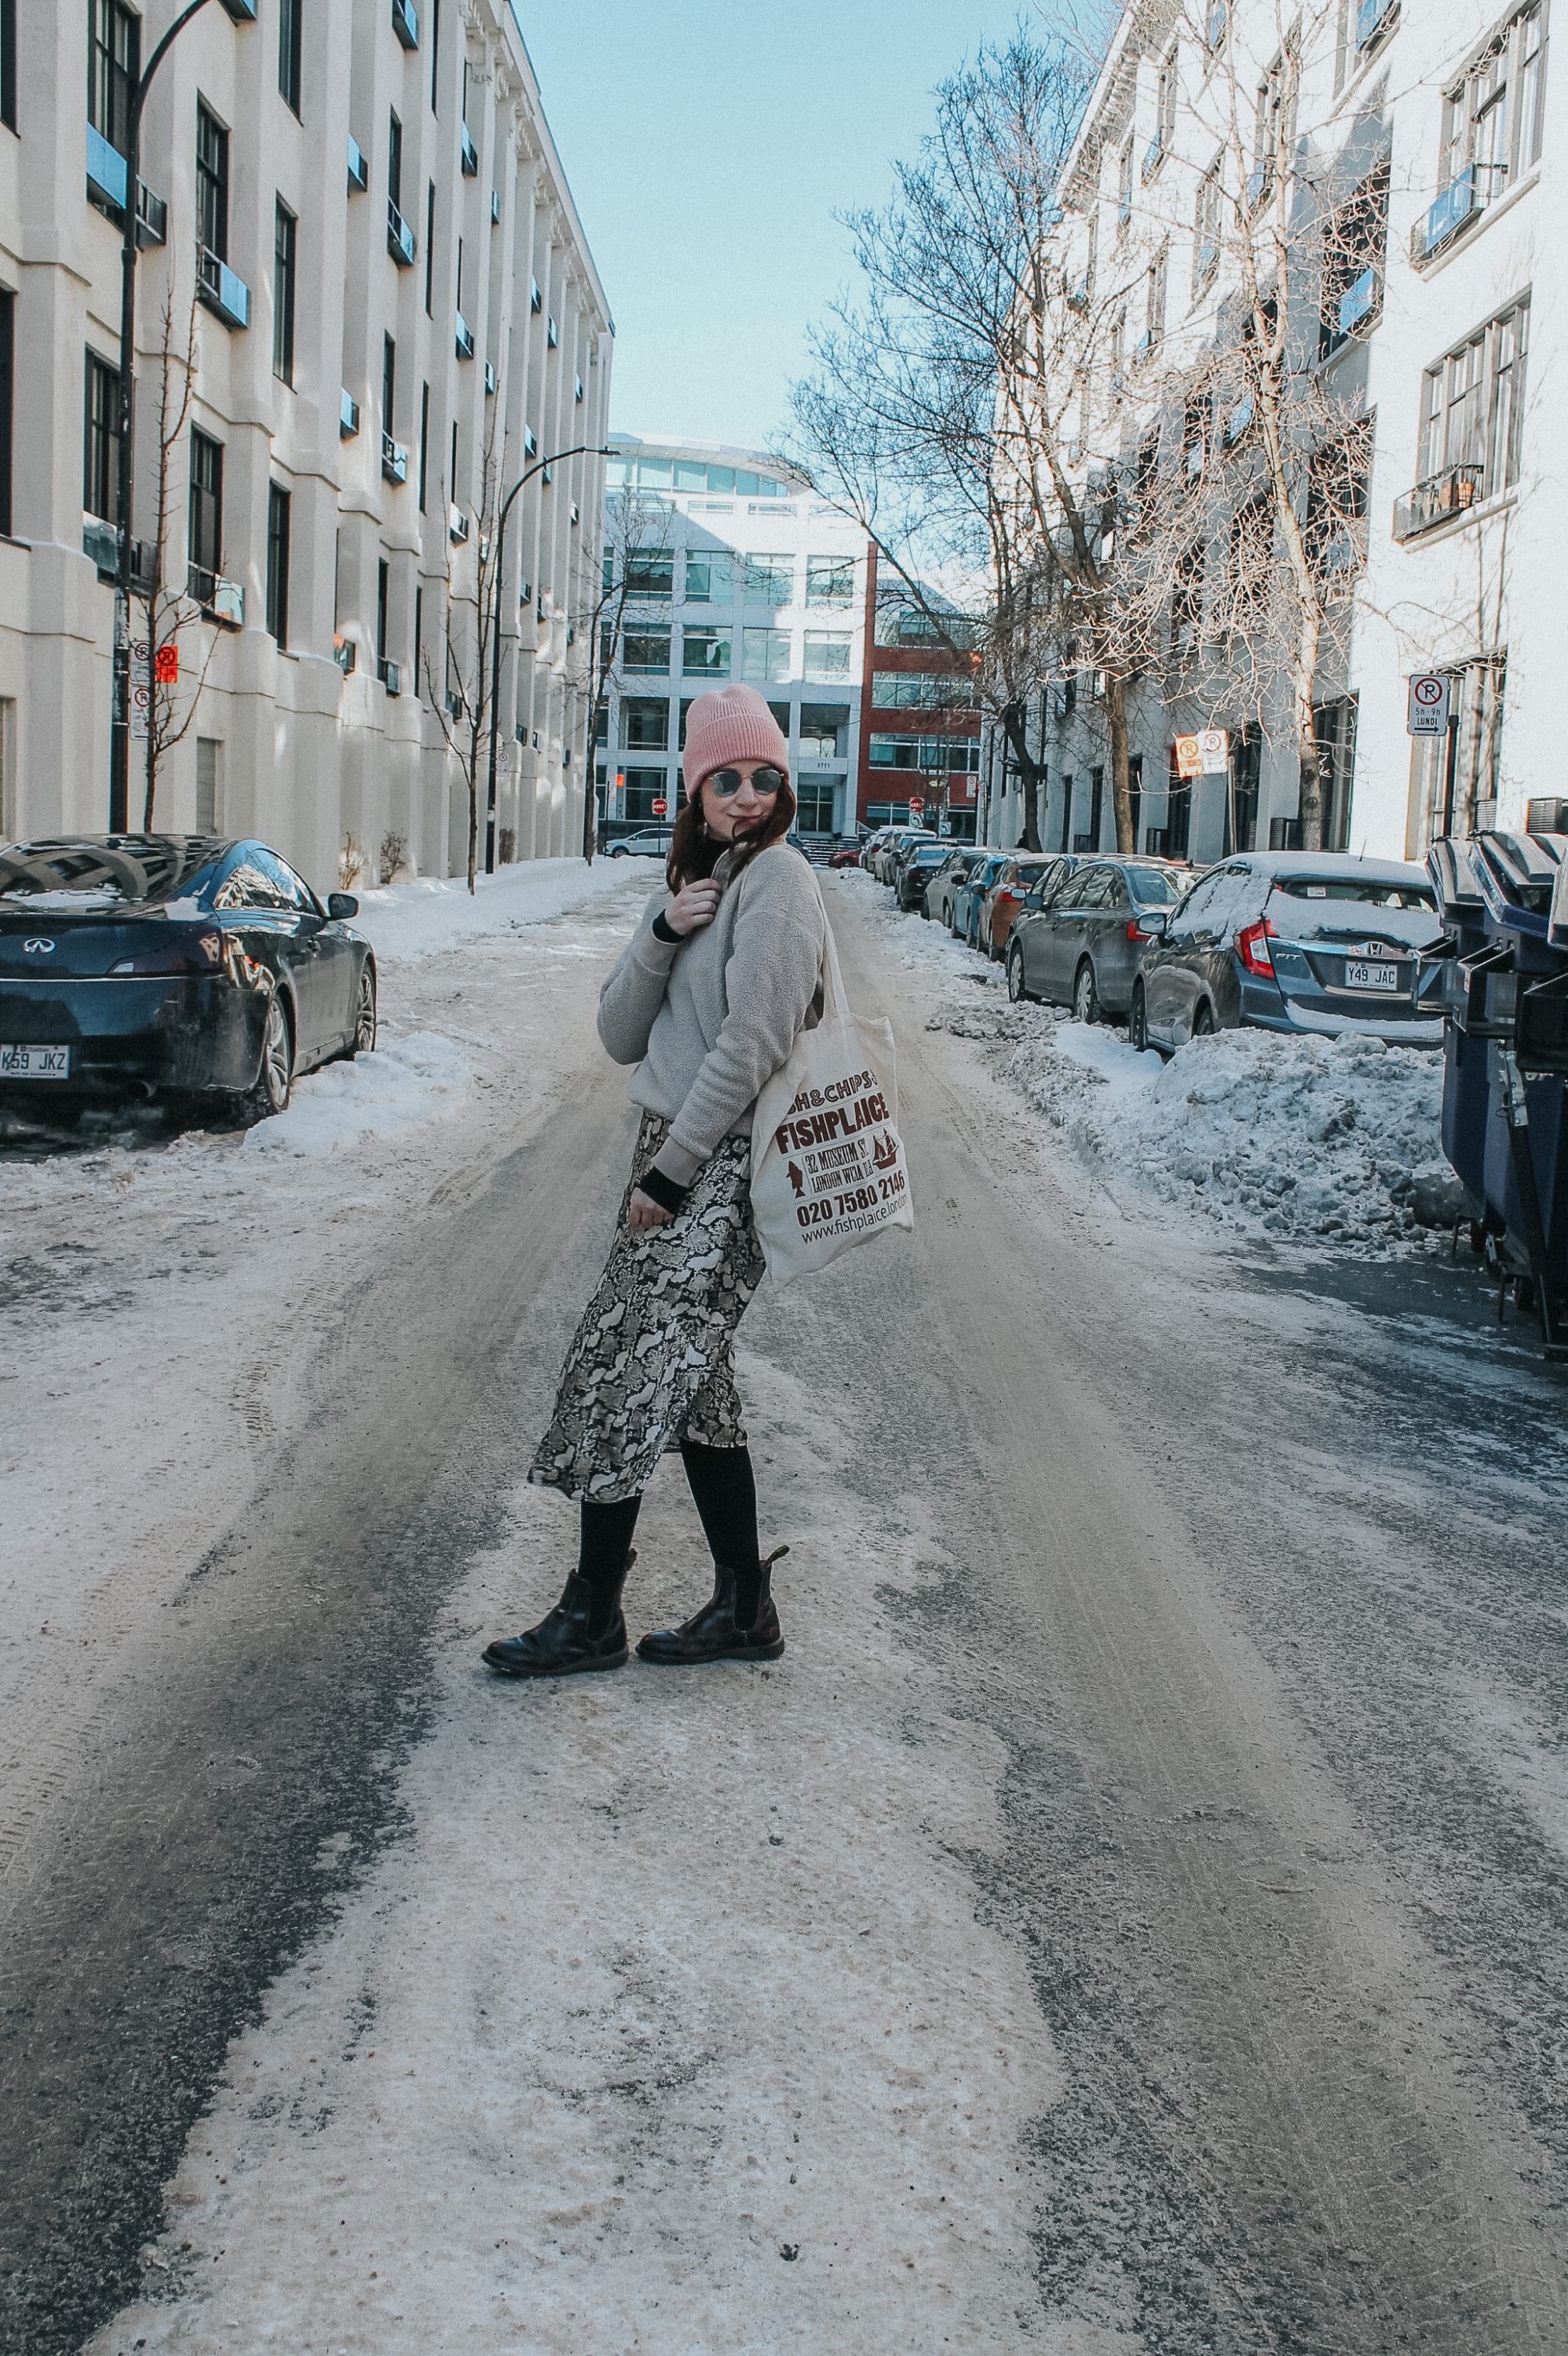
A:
[653,1360]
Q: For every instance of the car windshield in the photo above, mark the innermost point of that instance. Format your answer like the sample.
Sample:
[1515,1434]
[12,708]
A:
[105,874]
[1157,887]
[1365,890]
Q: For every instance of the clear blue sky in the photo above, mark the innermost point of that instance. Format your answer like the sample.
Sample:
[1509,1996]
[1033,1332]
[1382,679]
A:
[709,145]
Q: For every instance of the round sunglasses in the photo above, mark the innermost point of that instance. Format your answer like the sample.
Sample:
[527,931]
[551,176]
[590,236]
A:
[726,782]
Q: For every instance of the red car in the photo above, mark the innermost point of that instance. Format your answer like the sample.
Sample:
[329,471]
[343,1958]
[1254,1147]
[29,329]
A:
[847,856]
[1006,897]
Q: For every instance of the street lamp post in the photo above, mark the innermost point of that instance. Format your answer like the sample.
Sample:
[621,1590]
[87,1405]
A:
[120,735]
[577,450]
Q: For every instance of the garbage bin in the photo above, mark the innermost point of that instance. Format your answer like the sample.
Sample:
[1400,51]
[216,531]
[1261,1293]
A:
[1466,1077]
[1525,972]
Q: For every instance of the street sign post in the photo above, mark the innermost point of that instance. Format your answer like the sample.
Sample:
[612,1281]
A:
[1428,713]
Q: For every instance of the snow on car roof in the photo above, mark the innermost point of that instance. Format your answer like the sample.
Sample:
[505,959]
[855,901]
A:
[1331,863]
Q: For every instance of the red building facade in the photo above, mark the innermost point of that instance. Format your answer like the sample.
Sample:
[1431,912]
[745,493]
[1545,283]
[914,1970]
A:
[920,717]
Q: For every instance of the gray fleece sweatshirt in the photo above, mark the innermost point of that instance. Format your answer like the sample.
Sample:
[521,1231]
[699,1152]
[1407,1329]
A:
[708,1020]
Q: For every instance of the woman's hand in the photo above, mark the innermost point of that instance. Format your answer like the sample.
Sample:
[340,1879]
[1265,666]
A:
[642,1211]
[694,905]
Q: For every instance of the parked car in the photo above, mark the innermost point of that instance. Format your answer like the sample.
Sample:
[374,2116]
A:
[652,843]
[901,840]
[970,897]
[954,872]
[176,965]
[871,845]
[1081,947]
[1296,940]
[843,854]
[1006,895]
[924,861]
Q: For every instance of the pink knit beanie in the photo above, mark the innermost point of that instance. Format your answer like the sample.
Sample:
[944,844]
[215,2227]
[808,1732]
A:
[729,724]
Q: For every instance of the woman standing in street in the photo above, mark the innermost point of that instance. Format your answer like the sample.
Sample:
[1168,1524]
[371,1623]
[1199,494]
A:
[721,976]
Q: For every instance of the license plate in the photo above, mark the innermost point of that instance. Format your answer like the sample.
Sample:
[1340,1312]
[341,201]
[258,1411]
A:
[1361,975]
[21,1062]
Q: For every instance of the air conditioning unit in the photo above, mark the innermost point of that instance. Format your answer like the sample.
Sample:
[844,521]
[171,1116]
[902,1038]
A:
[457,523]
[228,604]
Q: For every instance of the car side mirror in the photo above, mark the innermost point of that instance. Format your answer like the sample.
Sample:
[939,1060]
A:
[1155,922]
[342,906]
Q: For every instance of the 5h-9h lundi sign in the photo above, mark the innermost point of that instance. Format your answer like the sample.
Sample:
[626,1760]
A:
[1428,714]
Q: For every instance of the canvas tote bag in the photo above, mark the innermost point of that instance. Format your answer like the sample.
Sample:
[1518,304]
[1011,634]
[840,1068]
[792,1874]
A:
[827,1162]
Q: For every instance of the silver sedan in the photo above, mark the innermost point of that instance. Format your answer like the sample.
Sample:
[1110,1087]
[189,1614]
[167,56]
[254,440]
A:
[1082,948]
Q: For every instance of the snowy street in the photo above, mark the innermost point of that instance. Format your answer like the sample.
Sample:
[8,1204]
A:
[1131,1916]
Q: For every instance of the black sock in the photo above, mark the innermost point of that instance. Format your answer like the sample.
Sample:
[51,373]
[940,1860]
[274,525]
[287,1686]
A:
[724,1490]
[605,1542]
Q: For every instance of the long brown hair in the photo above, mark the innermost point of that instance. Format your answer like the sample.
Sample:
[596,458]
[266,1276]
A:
[694,852]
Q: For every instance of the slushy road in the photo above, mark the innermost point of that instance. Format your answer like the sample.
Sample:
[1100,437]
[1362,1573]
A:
[1130,1917]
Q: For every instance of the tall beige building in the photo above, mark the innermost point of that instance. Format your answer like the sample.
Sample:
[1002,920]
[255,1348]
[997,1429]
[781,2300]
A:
[359,205]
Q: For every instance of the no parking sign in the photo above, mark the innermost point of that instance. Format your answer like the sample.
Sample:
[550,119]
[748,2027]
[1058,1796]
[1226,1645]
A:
[1428,714]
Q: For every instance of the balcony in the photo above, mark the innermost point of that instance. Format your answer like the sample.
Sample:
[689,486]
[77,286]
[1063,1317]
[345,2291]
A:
[358,169]
[402,242]
[465,339]
[344,653]
[347,417]
[406,23]
[1375,20]
[470,155]
[224,294]
[107,173]
[1460,203]
[394,460]
[220,601]
[1437,500]
[457,524]
[391,675]
[489,380]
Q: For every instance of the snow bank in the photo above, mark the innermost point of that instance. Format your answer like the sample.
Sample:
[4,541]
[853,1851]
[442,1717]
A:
[1289,1137]
[419,920]
[406,1081]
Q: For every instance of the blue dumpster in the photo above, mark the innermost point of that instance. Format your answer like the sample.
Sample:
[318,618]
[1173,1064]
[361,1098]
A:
[1525,973]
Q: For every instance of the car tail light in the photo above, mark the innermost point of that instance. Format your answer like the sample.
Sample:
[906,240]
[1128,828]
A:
[1135,931]
[1253,948]
[181,953]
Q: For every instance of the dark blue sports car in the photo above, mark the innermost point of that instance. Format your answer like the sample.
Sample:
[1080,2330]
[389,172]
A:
[175,966]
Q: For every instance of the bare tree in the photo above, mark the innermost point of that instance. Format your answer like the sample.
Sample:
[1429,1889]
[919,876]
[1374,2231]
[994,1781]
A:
[462,693]
[172,612]
[637,536]
[946,411]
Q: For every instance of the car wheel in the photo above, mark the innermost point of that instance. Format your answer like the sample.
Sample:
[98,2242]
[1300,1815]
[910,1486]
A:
[1086,997]
[269,1093]
[1137,1022]
[1203,1022]
[1016,990]
[364,1038]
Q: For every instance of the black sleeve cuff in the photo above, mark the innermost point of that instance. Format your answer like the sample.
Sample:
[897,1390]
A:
[662,931]
[664,1191]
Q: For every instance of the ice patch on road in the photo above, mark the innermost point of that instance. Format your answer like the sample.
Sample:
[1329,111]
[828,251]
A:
[404,1082]
[419,920]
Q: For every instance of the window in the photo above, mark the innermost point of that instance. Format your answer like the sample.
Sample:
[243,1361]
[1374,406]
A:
[395,162]
[383,598]
[706,653]
[278,506]
[7,406]
[212,181]
[1492,116]
[429,250]
[645,723]
[764,654]
[1334,725]
[1187,601]
[1125,184]
[829,580]
[1473,410]
[388,384]
[823,729]
[813,804]
[1154,300]
[828,653]
[1337,478]
[959,754]
[769,580]
[424,440]
[1250,565]
[290,31]
[205,544]
[434,48]
[650,572]
[1096,806]
[709,577]
[1206,230]
[645,650]
[284,232]
[1354,247]
[635,793]
[418,637]
[208,800]
[7,102]
[113,66]
[1164,112]
[101,467]
[922,690]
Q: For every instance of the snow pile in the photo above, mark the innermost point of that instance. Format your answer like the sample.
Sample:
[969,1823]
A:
[406,1081]
[1289,1137]
[421,919]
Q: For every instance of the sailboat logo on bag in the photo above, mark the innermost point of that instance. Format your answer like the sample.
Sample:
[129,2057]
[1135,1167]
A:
[886,1151]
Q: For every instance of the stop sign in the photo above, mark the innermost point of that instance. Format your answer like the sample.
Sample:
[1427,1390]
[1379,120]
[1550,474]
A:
[659,807]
